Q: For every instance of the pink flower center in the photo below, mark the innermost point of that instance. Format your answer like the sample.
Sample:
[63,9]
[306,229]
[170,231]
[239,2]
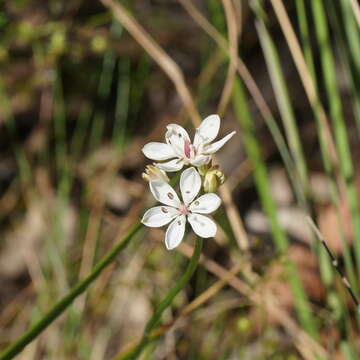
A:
[189,149]
[183,209]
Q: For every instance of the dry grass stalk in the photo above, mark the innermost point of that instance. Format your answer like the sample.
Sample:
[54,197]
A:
[233,27]
[304,73]
[157,53]
[356,9]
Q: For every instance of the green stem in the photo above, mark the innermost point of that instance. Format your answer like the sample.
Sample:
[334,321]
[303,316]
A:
[156,318]
[61,306]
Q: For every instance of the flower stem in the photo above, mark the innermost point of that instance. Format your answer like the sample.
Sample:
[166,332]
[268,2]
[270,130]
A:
[156,318]
[28,336]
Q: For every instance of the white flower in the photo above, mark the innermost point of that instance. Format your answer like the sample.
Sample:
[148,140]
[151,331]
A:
[179,148]
[177,211]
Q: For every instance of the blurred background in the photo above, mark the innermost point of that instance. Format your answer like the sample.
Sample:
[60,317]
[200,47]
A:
[85,84]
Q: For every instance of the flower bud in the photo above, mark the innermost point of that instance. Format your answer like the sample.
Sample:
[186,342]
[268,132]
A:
[213,179]
[154,173]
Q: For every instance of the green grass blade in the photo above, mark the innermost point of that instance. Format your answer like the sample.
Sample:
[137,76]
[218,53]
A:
[305,36]
[261,178]
[341,137]
[351,47]
[286,110]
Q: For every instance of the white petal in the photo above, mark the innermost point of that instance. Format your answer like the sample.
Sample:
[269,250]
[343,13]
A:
[172,165]
[190,184]
[175,232]
[205,204]
[208,130]
[178,130]
[164,193]
[201,160]
[176,136]
[210,149]
[159,216]
[202,225]
[158,151]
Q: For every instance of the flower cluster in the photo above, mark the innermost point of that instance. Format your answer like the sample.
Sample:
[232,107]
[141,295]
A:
[177,152]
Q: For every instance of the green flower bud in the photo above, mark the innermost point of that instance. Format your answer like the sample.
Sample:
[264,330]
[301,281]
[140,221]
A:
[213,179]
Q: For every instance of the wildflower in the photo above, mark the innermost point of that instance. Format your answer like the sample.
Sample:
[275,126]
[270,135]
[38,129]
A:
[154,173]
[177,212]
[182,151]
